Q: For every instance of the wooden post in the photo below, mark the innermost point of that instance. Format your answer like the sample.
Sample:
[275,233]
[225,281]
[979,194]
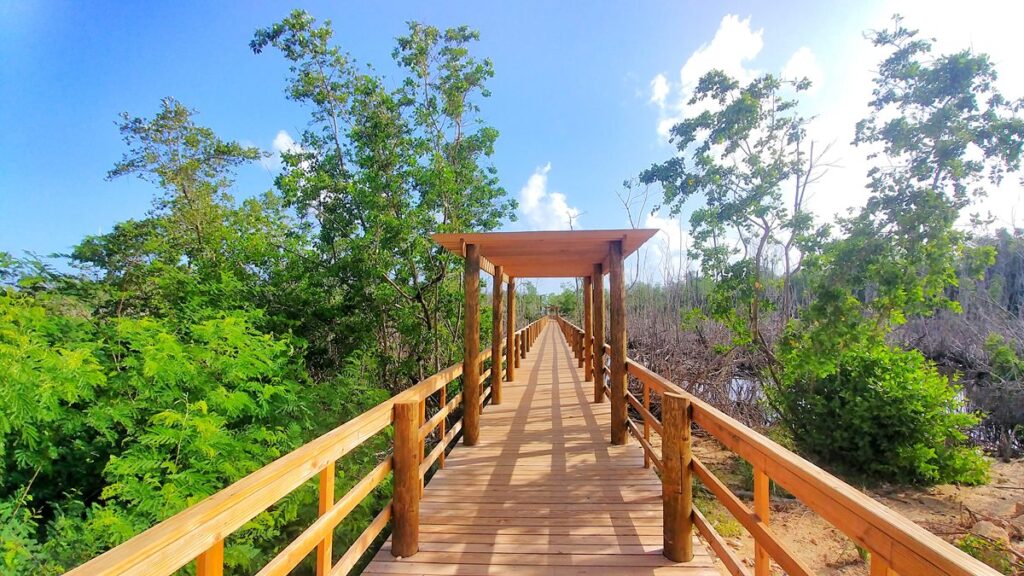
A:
[588,331]
[523,346]
[617,281]
[405,508]
[580,348]
[442,425]
[211,562]
[471,348]
[496,302]
[676,484]
[326,494]
[762,562]
[519,348]
[598,299]
[510,333]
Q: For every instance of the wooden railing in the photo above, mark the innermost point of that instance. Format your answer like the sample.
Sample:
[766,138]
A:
[198,532]
[896,544]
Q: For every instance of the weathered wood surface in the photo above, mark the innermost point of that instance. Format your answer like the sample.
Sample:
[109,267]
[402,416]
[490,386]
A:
[543,492]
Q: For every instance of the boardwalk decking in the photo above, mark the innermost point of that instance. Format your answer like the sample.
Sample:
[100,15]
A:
[544,492]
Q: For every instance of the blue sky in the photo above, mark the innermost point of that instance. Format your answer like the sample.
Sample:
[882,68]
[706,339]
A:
[580,92]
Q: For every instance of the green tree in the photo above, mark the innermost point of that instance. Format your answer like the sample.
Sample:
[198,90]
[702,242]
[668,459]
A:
[737,156]
[380,169]
[943,131]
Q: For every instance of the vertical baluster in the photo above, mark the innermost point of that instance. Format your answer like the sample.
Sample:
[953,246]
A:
[762,562]
[442,425]
[211,562]
[326,493]
[879,567]
[647,426]
[423,443]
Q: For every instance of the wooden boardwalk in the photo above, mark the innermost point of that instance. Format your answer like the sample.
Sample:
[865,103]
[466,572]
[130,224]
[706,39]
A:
[544,492]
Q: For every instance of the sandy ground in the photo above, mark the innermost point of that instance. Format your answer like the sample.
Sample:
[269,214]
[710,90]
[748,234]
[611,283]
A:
[947,510]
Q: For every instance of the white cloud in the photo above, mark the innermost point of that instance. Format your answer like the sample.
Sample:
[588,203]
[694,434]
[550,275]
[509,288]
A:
[283,142]
[659,90]
[733,46]
[804,64]
[543,209]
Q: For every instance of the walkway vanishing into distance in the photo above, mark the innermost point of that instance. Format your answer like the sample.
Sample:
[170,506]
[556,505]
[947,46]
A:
[544,491]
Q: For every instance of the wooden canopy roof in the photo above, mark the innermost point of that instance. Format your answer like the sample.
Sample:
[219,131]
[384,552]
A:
[552,254]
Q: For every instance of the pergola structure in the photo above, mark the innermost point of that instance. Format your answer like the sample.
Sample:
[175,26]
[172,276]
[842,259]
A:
[587,254]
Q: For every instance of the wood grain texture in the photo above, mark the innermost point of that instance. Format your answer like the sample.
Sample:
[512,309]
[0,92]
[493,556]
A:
[543,492]
[496,302]
[617,283]
[599,314]
[471,346]
[511,360]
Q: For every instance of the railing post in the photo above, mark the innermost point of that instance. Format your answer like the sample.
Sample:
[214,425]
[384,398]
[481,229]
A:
[762,562]
[522,345]
[211,562]
[676,483]
[580,361]
[405,507]
[326,497]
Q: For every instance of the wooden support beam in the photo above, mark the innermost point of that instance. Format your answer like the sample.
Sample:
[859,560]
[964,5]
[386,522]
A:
[588,330]
[677,486]
[496,302]
[597,284]
[617,282]
[471,347]
[510,333]
[405,507]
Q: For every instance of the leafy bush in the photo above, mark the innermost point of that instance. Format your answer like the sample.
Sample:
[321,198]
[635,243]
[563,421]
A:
[876,411]
[992,552]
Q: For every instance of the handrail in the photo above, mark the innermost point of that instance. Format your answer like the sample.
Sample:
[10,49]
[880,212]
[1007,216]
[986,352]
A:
[198,532]
[897,545]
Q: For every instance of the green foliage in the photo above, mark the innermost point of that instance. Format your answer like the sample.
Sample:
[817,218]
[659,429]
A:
[737,155]
[851,399]
[376,173]
[995,553]
[876,411]
[198,343]
[1003,358]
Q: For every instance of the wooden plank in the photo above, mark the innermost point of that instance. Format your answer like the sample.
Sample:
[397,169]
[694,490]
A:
[543,490]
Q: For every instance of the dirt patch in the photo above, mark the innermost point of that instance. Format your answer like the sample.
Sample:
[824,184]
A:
[948,511]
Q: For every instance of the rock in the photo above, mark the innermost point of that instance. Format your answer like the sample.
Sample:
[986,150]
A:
[1018,508]
[992,532]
